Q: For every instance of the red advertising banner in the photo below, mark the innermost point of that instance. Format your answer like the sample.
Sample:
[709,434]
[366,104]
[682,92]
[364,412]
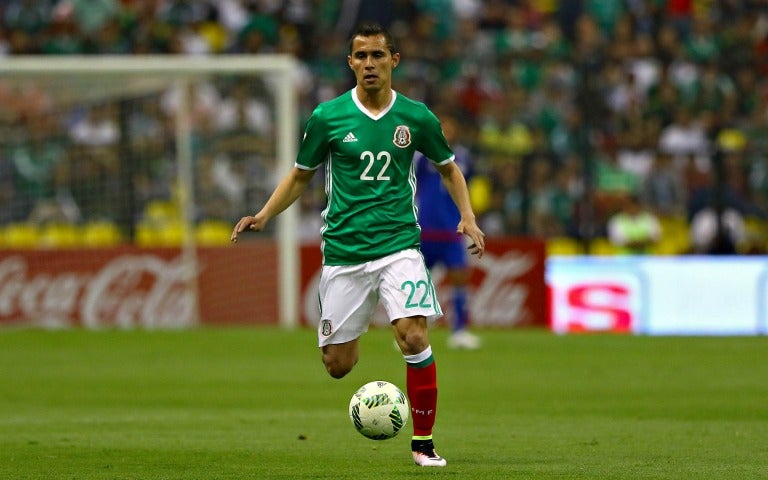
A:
[161,288]
[507,287]
[139,288]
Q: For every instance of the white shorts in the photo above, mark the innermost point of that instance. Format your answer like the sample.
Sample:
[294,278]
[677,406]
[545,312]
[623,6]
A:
[349,294]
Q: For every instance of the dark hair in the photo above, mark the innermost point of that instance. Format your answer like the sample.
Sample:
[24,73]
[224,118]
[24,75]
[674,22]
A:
[370,29]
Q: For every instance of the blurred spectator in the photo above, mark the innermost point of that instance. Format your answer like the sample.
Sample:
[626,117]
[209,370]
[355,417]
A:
[634,154]
[503,129]
[63,38]
[89,15]
[713,90]
[260,32]
[473,91]
[12,200]
[29,16]
[680,14]
[684,136]
[241,109]
[203,98]
[220,186]
[607,13]
[544,198]
[93,162]
[216,36]
[701,45]
[109,40]
[567,192]
[612,185]
[664,188]
[38,162]
[385,12]
[633,229]
[644,66]
[707,237]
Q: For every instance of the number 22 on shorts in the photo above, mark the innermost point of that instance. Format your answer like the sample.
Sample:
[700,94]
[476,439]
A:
[418,294]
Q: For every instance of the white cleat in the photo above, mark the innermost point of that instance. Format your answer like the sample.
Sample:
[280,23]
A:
[462,339]
[429,459]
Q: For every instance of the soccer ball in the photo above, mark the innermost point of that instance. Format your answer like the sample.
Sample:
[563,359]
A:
[379,410]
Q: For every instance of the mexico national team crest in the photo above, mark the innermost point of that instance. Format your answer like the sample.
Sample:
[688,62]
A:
[402,136]
[326,328]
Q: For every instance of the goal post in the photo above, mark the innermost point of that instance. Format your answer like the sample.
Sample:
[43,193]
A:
[70,85]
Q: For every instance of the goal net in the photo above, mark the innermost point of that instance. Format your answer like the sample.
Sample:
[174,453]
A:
[122,178]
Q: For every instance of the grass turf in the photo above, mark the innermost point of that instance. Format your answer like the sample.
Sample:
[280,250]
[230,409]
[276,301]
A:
[257,404]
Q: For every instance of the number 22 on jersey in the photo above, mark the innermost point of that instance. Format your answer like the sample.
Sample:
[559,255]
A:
[375,163]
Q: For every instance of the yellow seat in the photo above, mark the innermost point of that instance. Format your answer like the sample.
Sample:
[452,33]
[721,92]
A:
[213,233]
[668,245]
[563,246]
[756,235]
[160,234]
[147,235]
[171,234]
[59,235]
[756,227]
[673,225]
[602,246]
[101,234]
[160,211]
[21,235]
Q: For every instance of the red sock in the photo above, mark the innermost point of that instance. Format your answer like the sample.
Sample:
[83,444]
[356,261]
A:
[421,383]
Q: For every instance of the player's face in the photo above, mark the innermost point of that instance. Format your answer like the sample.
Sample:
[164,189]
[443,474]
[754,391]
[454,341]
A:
[372,62]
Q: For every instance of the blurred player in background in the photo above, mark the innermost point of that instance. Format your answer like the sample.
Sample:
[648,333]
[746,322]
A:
[366,139]
[441,244]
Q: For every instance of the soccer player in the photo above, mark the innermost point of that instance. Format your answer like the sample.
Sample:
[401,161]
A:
[366,140]
[440,243]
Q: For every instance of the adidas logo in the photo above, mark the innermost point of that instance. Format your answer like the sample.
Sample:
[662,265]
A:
[350,138]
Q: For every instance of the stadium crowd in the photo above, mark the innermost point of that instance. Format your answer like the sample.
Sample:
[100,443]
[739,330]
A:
[569,107]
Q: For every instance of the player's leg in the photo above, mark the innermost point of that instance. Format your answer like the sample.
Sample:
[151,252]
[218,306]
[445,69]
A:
[408,296]
[339,358]
[457,278]
[454,258]
[347,299]
[421,372]
[421,386]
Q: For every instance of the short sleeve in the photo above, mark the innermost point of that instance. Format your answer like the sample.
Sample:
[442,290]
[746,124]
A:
[313,150]
[434,145]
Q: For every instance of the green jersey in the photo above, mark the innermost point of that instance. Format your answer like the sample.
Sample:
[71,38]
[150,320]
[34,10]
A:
[370,182]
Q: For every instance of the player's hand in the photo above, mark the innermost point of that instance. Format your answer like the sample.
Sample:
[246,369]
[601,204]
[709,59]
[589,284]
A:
[254,223]
[471,230]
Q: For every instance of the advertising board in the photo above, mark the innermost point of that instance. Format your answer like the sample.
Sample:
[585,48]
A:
[129,287]
[138,288]
[692,295]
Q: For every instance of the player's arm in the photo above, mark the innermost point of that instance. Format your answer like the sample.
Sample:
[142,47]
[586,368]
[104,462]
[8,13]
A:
[288,190]
[456,185]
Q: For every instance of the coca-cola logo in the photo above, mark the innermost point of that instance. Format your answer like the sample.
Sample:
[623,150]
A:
[500,299]
[128,291]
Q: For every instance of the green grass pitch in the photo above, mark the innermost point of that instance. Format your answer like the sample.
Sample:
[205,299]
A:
[256,403]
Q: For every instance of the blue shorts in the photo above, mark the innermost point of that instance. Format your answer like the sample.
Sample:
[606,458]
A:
[449,253]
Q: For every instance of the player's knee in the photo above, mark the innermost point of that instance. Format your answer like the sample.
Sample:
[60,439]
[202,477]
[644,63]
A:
[413,341]
[337,371]
[337,368]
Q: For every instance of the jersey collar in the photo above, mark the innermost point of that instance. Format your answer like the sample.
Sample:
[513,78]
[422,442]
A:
[365,110]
